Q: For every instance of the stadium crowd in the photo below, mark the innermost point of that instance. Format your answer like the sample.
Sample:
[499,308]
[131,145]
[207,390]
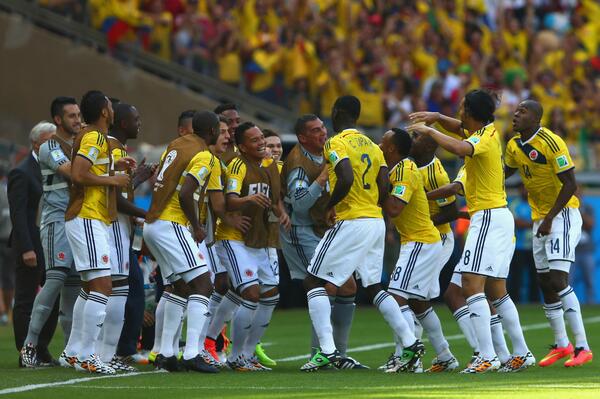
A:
[397,56]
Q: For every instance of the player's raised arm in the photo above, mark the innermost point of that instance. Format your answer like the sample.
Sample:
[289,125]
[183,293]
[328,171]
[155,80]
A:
[450,124]
[445,191]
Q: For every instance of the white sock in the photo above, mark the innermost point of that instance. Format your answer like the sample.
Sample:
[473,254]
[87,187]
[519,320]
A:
[224,313]
[177,335]
[431,324]
[113,323]
[417,327]
[510,321]
[391,312]
[498,339]
[555,315]
[213,305]
[197,309]
[74,343]
[94,313]
[463,318]
[409,317]
[319,309]
[173,316]
[159,317]
[573,315]
[261,321]
[241,325]
[480,316]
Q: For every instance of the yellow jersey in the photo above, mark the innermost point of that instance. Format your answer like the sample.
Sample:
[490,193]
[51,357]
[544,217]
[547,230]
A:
[540,160]
[234,178]
[461,177]
[205,168]
[366,159]
[484,183]
[414,223]
[94,147]
[435,176]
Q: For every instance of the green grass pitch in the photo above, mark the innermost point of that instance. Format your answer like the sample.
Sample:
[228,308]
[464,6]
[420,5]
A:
[288,336]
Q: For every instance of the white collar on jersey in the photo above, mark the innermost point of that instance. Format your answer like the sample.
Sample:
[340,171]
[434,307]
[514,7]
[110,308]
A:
[429,164]
[531,138]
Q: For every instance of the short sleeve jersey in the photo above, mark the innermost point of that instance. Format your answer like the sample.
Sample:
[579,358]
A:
[460,178]
[484,184]
[434,176]
[204,167]
[365,159]
[540,160]
[236,172]
[94,148]
[56,187]
[414,223]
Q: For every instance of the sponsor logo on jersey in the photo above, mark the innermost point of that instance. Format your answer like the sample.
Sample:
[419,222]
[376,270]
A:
[56,155]
[202,173]
[232,185]
[533,155]
[93,154]
[562,161]
[399,190]
[474,140]
[333,157]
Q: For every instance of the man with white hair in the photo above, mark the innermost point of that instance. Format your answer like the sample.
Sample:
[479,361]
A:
[24,192]
[61,276]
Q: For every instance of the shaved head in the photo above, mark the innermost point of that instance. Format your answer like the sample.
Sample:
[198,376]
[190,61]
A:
[534,107]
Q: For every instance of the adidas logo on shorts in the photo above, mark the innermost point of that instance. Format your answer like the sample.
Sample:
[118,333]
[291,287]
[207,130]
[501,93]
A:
[489,269]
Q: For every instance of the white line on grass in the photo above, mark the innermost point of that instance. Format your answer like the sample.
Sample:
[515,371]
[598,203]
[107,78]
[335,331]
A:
[32,387]
[382,345]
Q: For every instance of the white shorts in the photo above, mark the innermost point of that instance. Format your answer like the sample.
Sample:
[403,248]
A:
[417,271]
[490,243]
[350,246]
[89,240]
[216,267]
[274,263]
[560,244]
[456,278]
[175,250]
[119,248]
[246,266]
[446,253]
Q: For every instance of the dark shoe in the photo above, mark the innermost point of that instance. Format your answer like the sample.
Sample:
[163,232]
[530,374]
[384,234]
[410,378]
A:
[199,364]
[171,364]
[28,357]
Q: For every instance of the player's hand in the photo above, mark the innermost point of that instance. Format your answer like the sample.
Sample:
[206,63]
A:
[544,228]
[143,171]
[239,222]
[125,163]
[424,117]
[419,128]
[330,217]
[199,234]
[260,199]
[323,176]
[29,259]
[285,221]
[121,180]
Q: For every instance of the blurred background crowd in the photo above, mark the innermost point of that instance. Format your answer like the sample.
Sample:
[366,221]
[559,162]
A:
[397,56]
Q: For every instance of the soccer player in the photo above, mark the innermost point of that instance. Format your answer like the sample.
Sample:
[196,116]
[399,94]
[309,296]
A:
[415,278]
[184,123]
[61,276]
[254,191]
[126,127]
[175,247]
[304,179]
[91,210]
[547,171]
[490,240]
[355,242]
[230,112]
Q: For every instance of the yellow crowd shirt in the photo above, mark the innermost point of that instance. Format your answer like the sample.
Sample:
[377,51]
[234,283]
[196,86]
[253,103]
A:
[434,176]
[94,148]
[540,160]
[484,183]
[414,223]
[365,159]
[205,168]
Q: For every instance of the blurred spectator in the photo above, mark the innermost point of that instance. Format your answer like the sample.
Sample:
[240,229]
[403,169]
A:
[7,263]
[68,8]
[584,268]
[522,278]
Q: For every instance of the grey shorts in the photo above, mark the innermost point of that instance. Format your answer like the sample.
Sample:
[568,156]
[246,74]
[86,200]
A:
[298,247]
[57,251]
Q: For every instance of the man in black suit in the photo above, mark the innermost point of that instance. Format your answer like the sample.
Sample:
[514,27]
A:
[24,192]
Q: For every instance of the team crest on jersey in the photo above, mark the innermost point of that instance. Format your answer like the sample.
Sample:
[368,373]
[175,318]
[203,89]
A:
[104,258]
[249,273]
[333,157]
[60,256]
[200,255]
[562,161]
[533,155]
